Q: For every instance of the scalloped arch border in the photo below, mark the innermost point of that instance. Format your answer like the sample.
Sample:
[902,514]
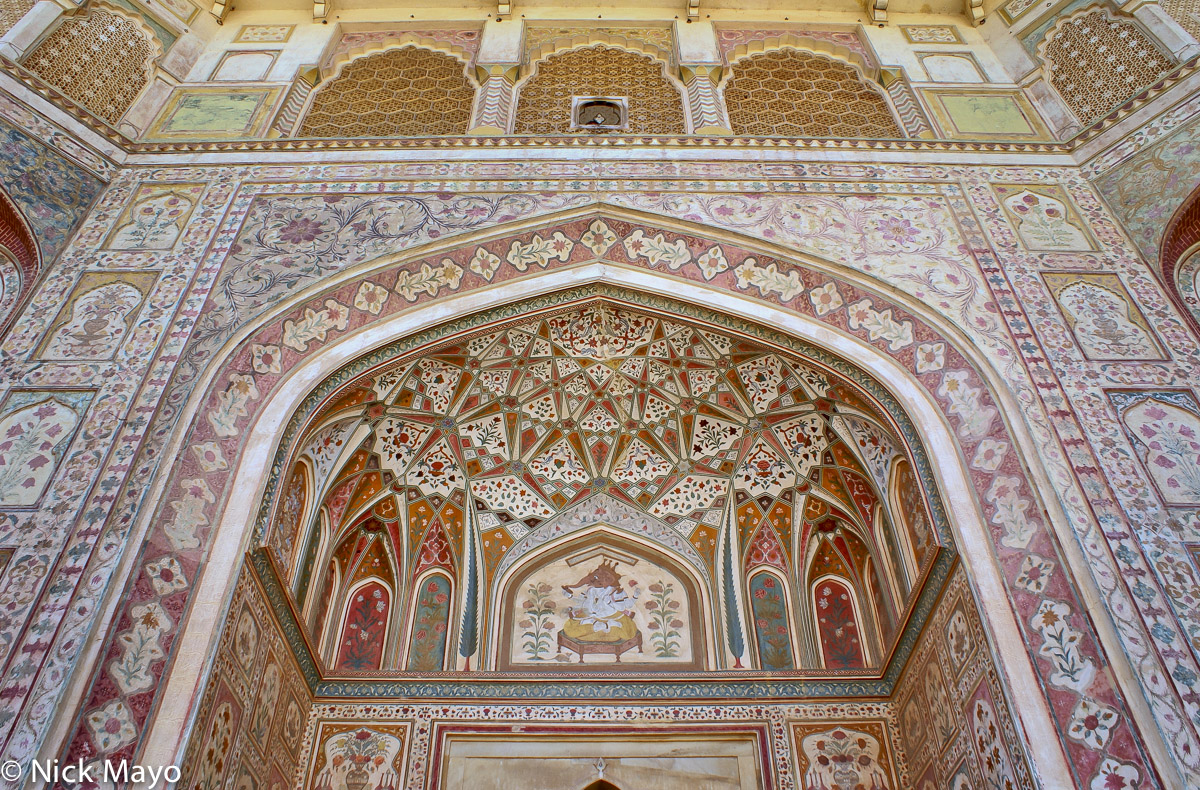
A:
[334,69]
[806,44]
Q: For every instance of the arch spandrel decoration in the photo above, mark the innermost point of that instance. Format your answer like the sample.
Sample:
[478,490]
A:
[883,327]
[671,431]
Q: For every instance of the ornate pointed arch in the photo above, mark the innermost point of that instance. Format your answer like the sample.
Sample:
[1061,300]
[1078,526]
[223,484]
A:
[345,57]
[788,303]
[584,41]
[829,49]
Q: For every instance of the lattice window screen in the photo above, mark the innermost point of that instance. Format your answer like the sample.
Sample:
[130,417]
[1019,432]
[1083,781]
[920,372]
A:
[544,104]
[1098,63]
[11,12]
[406,92]
[101,60]
[1186,13]
[791,93]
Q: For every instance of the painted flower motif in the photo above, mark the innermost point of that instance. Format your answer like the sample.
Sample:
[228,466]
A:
[210,457]
[484,263]
[301,231]
[112,726]
[930,357]
[1092,723]
[1114,775]
[598,237]
[826,298]
[265,359]
[370,297]
[166,575]
[1034,573]
[712,263]
[898,230]
[989,455]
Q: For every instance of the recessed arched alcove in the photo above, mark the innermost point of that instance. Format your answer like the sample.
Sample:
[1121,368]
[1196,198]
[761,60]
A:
[456,480]
[909,672]
[1179,259]
[613,486]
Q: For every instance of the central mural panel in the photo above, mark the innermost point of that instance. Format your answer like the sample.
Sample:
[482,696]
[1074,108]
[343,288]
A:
[603,488]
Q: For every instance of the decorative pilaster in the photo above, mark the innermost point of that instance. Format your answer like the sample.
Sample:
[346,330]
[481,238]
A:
[302,87]
[912,116]
[492,114]
[704,104]
[1161,26]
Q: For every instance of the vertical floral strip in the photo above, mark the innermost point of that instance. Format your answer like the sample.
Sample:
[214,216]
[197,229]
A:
[665,619]
[537,625]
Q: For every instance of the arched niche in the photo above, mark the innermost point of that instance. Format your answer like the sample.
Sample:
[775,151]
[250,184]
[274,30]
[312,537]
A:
[839,617]
[477,453]
[603,601]
[265,428]
[771,611]
[430,626]
[410,89]
[599,67]
[102,57]
[354,622]
[363,636]
[775,93]
[1097,60]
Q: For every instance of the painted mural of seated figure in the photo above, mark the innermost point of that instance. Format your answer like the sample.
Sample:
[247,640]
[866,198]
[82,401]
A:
[601,611]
